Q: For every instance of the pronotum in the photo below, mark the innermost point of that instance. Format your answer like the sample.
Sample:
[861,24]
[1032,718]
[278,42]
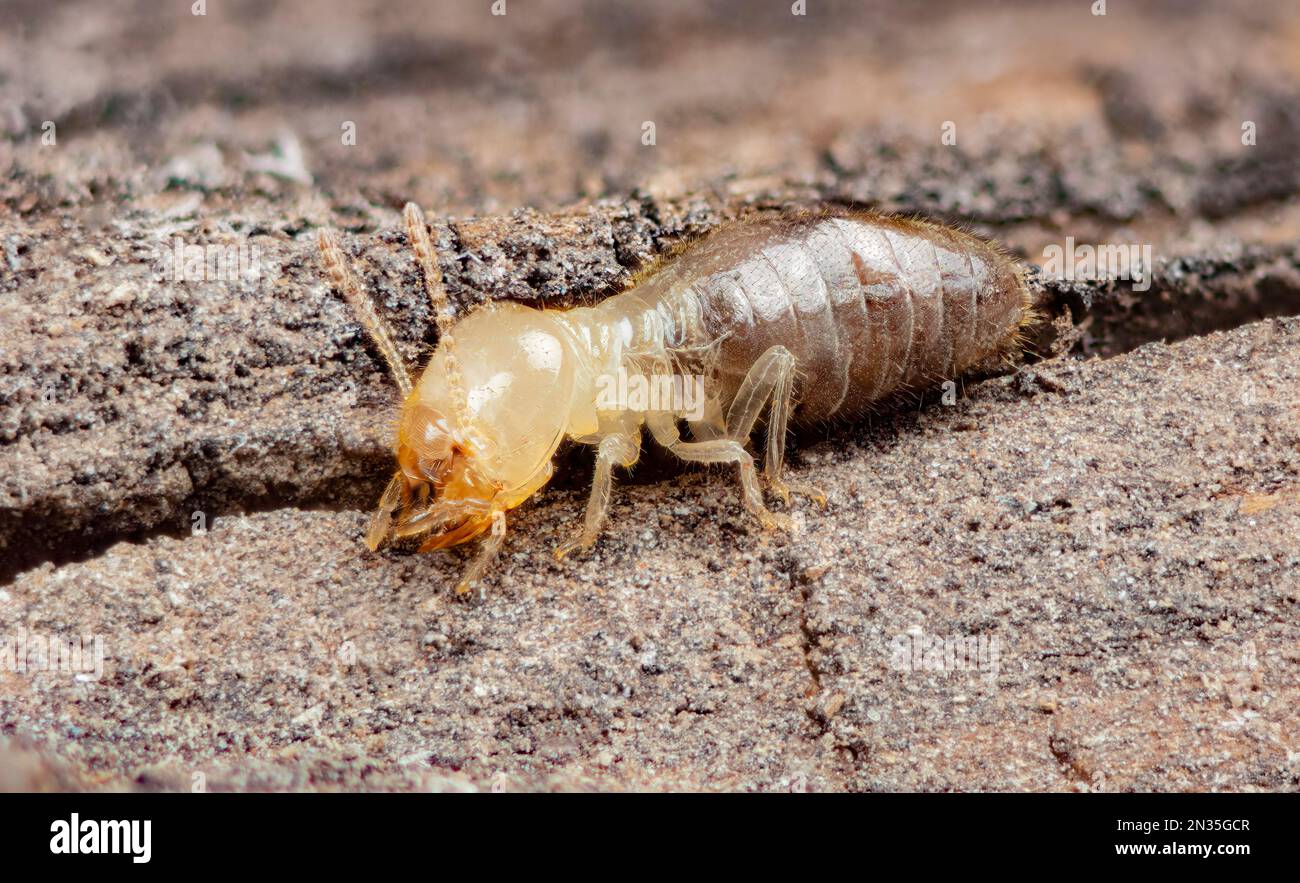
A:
[814,317]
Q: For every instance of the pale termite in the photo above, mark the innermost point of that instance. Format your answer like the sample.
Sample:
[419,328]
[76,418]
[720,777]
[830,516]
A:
[815,317]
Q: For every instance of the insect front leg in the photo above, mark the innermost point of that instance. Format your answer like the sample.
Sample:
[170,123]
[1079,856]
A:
[770,378]
[720,450]
[487,552]
[616,449]
[382,520]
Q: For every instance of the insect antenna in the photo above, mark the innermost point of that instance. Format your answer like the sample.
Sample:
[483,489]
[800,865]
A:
[418,232]
[346,283]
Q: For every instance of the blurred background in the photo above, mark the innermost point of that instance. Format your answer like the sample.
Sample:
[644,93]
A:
[1057,117]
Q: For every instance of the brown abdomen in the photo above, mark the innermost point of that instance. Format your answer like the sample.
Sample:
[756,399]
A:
[871,306]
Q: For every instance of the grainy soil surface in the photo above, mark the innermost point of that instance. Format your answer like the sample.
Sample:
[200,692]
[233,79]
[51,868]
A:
[1082,573]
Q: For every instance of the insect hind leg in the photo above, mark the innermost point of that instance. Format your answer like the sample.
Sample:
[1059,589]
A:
[721,450]
[771,378]
[345,282]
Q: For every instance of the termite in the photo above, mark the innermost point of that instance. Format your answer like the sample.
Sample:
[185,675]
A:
[816,317]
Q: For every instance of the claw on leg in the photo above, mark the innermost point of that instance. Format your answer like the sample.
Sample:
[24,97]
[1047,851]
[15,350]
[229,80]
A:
[579,543]
[784,489]
[754,501]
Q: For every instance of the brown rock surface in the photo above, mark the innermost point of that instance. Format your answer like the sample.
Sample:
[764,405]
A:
[1117,523]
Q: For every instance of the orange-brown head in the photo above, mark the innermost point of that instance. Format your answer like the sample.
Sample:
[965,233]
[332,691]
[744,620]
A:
[446,488]
[480,441]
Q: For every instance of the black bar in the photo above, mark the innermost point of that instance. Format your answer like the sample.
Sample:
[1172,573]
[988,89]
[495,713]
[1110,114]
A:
[547,833]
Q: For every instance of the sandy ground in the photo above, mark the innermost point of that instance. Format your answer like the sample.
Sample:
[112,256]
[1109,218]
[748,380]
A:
[1103,540]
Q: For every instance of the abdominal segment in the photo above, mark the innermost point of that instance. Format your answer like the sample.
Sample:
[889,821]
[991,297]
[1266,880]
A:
[871,306]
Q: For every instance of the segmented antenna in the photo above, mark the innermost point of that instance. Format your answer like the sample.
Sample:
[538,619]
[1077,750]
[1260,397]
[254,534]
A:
[341,275]
[418,232]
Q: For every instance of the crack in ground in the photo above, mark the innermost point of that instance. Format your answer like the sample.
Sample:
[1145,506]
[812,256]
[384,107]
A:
[798,576]
[1189,296]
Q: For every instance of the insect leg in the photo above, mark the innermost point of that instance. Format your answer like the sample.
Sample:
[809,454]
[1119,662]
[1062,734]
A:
[616,449]
[487,552]
[382,520]
[346,284]
[727,450]
[771,377]
[712,425]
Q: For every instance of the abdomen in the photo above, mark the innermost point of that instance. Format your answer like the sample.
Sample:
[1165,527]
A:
[871,306]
